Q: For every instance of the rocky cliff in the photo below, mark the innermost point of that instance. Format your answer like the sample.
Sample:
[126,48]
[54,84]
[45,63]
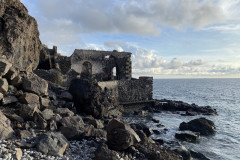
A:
[19,35]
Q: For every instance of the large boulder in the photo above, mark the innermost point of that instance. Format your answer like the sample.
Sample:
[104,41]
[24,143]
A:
[6,130]
[29,98]
[27,111]
[52,143]
[103,152]
[187,136]
[19,35]
[72,127]
[35,84]
[120,135]
[201,125]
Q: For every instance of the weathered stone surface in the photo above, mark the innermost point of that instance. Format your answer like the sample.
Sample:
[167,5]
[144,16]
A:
[52,143]
[90,131]
[19,35]
[3,86]
[140,126]
[16,81]
[187,136]
[103,153]
[29,98]
[24,134]
[66,96]
[95,122]
[35,84]
[27,111]
[156,152]
[72,127]
[45,102]
[89,98]
[4,66]
[9,99]
[6,130]
[120,136]
[11,74]
[65,112]
[201,125]
[14,117]
[47,114]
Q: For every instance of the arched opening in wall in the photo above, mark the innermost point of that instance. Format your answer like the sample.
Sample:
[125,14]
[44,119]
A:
[86,70]
[114,73]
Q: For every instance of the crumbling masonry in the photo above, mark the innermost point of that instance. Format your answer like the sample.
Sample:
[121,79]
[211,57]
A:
[112,70]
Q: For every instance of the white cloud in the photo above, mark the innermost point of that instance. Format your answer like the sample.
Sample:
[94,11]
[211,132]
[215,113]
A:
[146,62]
[126,16]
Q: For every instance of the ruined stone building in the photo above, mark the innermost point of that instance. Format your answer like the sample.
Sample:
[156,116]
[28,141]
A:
[112,70]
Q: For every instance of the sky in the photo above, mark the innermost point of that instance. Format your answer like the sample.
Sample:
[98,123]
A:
[167,38]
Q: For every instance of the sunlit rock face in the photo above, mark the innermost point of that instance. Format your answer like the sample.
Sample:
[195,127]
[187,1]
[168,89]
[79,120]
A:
[19,35]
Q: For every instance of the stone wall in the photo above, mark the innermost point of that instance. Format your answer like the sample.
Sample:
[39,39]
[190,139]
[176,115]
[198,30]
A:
[100,64]
[64,63]
[130,91]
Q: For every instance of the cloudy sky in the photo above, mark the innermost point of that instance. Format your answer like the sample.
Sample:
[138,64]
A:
[168,38]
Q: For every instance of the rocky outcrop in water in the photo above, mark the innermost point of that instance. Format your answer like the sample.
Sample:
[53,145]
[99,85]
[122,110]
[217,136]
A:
[19,35]
[202,125]
[178,106]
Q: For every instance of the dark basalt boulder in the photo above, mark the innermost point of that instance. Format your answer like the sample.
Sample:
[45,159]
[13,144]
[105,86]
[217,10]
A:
[187,136]
[72,127]
[103,152]
[202,125]
[120,135]
[190,109]
[52,143]
[140,126]
[19,35]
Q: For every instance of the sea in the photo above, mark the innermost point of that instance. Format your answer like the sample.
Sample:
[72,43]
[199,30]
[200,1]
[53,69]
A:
[221,94]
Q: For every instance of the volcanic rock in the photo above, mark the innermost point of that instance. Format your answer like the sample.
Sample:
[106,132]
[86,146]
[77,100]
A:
[96,123]
[9,99]
[187,136]
[3,86]
[186,155]
[4,66]
[52,143]
[1,96]
[201,125]
[103,152]
[66,96]
[6,130]
[29,98]
[72,127]
[27,111]
[45,102]
[19,35]
[64,112]
[120,135]
[35,84]
[47,114]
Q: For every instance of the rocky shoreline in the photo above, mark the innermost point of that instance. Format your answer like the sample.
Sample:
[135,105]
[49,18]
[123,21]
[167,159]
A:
[40,119]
